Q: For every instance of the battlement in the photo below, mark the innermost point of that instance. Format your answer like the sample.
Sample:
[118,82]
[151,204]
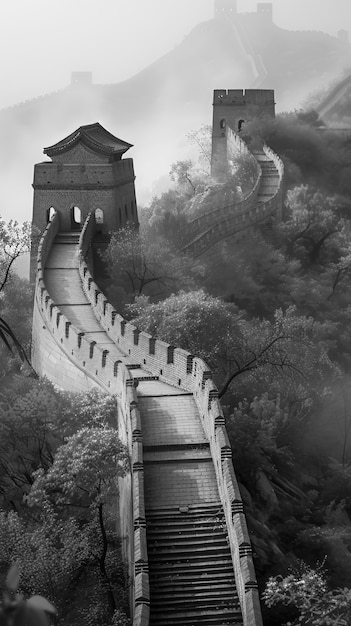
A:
[265,10]
[225,7]
[81,78]
[243,97]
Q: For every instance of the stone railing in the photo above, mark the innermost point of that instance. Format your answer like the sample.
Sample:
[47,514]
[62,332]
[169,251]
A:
[276,203]
[240,218]
[180,368]
[202,223]
[113,377]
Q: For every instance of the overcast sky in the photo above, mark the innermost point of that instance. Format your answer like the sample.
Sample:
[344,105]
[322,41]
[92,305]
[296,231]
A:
[42,41]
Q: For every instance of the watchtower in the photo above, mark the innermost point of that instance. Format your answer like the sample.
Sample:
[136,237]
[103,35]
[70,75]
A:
[84,79]
[86,173]
[265,11]
[225,7]
[231,108]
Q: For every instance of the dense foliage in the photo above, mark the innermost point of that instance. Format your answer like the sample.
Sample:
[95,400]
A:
[273,321]
[60,458]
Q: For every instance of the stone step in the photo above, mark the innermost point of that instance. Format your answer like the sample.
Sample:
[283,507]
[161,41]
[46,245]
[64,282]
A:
[201,584]
[203,559]
[195,565]
[186,544]
[67,238]
[186,534]
[206,522]
[177,574]
[177,594]
[208,601]
[187,512]
[223,617]
[209,509]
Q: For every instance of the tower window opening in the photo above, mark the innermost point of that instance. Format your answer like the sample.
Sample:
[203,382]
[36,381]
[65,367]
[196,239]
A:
[222,124]
[99,216]
[50,214]
[76,217]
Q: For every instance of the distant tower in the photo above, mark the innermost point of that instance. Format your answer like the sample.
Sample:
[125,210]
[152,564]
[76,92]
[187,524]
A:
[343,36]
[265,11]
[82,78]
[225,7]
[230,110]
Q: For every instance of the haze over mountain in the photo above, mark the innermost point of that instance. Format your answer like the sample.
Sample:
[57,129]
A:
[157,107]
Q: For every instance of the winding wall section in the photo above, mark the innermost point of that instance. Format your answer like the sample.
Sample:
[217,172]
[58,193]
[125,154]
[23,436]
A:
[333,97]
[235,221]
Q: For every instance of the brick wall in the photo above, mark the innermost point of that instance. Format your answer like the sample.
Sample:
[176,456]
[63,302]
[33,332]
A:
[238,220]
[201,224]
[180,368]
[59,345]
[61,352]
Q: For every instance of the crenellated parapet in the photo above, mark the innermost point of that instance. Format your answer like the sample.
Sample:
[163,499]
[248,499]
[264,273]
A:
[79,365]
[180,368]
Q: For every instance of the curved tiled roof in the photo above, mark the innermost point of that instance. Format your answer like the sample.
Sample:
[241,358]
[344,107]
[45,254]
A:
[95,137]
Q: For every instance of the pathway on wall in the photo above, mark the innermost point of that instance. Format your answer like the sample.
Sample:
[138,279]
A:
[334,96]
[191,571]
[237,221]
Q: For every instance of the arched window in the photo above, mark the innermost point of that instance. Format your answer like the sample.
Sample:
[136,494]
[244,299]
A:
[76,218]
[99,216]
[50,214]
[240,124]
[222,124]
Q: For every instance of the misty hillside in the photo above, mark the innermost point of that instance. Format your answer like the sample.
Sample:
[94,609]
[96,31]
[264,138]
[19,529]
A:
[297,62]
[157,107]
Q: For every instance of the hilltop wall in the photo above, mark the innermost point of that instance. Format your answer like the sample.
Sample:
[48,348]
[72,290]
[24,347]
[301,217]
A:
[235,222]
[180,368]
[174,365]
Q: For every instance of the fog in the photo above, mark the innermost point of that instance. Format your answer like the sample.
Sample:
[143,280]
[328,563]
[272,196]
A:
[41,43]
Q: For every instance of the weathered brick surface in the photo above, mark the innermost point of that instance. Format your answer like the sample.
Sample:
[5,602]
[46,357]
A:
[171,420]
[181,484]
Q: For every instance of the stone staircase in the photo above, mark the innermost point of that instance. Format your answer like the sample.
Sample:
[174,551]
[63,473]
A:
[270,177]
[190,567]
[191,570]
[209,239]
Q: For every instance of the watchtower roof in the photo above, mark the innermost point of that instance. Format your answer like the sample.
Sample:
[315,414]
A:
[95,137]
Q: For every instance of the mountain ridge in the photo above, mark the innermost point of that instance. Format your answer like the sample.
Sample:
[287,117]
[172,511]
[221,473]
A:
[155,108]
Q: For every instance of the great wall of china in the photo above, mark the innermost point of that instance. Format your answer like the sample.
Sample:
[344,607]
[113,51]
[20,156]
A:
[181,516]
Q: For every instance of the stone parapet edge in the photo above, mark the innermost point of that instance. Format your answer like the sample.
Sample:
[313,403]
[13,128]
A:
[113,377]
[203,222]
[238,222]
